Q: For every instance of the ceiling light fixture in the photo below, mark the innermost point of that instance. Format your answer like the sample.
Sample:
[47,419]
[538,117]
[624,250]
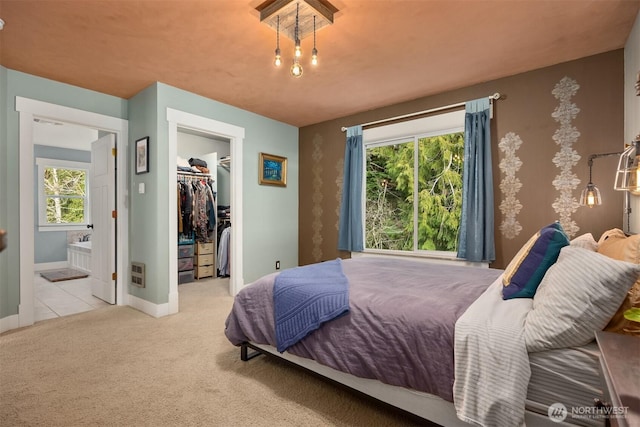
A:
[296,68]
[296,19]
[278,59]
[314,52]
[298,51]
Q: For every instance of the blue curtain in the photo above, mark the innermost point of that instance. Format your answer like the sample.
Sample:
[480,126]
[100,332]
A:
[350,236]
[476,241]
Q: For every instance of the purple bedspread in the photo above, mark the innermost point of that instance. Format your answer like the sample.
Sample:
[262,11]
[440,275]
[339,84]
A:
[399,329]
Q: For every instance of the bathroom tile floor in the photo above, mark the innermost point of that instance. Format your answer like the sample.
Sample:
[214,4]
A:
[56,299]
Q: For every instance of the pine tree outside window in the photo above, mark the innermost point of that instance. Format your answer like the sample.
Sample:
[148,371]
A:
[413,185]
[63,202]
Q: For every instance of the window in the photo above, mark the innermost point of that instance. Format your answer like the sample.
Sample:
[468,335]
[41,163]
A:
[63,202]
[413,184]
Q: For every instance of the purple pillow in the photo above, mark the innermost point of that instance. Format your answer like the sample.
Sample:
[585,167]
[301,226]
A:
[525,271]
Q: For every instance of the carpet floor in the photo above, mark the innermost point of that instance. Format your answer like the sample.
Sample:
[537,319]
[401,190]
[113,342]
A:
[115,366]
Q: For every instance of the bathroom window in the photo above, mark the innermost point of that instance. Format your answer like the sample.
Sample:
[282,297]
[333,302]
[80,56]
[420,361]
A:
[63,199]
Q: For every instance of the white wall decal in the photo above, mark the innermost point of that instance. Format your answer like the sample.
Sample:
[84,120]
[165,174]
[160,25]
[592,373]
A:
[317,197]
[565,159]
[510,185]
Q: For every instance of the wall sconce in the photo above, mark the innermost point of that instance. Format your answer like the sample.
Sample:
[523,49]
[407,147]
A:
[590,196]
[296,19]
[628,173]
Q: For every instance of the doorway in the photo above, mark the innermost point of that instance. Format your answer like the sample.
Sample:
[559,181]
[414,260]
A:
[72,252]
[28,110]
[235,135]
[204,175]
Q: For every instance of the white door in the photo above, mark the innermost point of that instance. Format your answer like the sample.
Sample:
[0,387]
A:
[102,197]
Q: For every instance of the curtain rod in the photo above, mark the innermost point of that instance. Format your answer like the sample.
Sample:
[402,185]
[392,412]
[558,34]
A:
[493,97]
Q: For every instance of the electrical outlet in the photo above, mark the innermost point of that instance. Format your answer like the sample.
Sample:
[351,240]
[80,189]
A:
[277,265]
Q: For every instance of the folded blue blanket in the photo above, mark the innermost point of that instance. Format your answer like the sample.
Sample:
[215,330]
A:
[306,297]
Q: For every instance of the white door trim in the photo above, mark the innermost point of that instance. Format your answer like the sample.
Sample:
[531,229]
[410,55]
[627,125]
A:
[182,119]
[28,109]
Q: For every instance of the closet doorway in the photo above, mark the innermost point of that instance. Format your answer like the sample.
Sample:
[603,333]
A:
[203,163]
[235,135]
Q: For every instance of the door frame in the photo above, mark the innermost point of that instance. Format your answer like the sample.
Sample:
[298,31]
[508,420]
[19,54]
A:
[180,119]
[28,109]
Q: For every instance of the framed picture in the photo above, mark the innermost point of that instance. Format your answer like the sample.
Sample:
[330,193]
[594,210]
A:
[142,155]
[273,170]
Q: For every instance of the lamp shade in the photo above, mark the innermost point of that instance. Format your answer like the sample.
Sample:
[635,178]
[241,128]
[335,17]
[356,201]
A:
[628,173]
[590,196]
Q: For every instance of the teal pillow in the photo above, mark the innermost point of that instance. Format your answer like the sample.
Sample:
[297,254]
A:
[525,271]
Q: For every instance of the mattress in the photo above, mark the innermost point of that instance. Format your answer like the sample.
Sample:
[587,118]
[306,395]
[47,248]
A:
[570,376]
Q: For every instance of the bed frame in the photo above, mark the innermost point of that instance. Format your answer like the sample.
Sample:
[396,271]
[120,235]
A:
[423,405]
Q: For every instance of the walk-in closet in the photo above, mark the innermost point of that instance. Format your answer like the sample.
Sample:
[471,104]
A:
[204,211]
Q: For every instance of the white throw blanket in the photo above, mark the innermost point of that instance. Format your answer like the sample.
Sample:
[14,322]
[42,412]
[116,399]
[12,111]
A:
[491,362]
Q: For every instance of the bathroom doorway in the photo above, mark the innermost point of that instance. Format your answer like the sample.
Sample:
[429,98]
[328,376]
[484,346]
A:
[28,110]
[65,251]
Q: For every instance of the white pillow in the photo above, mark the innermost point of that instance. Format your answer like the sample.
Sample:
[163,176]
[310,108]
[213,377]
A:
[585,241]
[577,296]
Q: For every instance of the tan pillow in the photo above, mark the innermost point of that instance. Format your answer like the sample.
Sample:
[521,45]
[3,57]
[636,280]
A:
[615,244]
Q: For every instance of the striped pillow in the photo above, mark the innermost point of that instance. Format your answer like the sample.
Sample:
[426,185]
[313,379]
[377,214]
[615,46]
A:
[526,270]
[577,297]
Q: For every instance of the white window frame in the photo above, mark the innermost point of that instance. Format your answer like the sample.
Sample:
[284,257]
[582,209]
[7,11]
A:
[44,163]
[439,124]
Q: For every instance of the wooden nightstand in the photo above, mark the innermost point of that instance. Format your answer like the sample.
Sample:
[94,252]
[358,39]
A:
[620,365]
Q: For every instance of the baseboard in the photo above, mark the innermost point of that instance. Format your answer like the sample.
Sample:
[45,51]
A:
[173,305]
[9,322]
[50,265]
[154,310]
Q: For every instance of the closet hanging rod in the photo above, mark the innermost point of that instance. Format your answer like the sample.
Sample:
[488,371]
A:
[492,98]
[196,174]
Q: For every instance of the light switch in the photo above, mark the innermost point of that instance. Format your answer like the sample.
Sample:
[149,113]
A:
[141,188]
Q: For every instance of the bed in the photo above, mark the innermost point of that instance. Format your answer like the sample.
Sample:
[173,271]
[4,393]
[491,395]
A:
[435,340]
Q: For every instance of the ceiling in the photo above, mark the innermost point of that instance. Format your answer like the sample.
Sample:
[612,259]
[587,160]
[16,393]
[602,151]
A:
[375,54]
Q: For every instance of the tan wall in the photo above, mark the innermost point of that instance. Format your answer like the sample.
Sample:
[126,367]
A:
[632,112]
[525,109]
